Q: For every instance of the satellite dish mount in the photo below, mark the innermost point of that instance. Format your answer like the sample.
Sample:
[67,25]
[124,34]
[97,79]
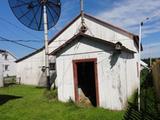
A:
[83,26]
[40,15]
[43,1]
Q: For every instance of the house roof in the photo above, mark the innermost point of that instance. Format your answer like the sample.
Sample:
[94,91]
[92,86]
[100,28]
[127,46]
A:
[110,26]
[2,51]
[80,35]
[6,51]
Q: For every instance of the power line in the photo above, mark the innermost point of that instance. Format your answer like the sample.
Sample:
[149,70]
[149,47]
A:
[59,40]
[33,35]
[36,41]
[12,41]
[4,20]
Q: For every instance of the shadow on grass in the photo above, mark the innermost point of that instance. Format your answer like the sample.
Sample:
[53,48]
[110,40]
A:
[6,98]
[9,84]
[40,87]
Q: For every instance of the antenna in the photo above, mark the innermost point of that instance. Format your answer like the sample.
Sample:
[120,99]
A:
[38,15]
[83,27]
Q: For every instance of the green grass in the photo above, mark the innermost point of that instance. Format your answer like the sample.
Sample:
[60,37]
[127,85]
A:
[35,106]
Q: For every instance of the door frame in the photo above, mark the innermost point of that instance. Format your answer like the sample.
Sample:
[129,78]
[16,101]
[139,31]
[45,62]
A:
[75,75]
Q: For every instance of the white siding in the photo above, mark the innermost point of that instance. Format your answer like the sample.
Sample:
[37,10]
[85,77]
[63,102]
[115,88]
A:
[107,34]
[115,84]
[29,70]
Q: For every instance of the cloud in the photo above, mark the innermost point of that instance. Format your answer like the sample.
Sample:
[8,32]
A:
[151,50]
[129,13]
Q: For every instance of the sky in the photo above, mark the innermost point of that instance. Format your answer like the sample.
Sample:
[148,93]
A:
[126,14]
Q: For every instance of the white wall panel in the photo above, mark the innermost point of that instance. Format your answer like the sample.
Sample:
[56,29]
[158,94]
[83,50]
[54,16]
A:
[113,82]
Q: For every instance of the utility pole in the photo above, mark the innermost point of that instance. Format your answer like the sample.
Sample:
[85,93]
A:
[139,64]
[150,62]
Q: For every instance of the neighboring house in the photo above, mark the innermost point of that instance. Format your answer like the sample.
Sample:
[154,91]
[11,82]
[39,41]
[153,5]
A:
[1,76]
[7,65]
[104,53]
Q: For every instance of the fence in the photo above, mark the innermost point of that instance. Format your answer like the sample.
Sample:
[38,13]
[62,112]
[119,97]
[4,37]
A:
[9,80]
[156,79]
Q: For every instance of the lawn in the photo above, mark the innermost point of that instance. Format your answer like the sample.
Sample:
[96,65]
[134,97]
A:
[29,103]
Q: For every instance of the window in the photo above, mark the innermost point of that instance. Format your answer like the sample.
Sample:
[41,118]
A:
[52,66]
[5,56]
[6,67]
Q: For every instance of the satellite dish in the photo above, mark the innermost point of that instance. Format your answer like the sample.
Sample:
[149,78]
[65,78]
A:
[38,15]
[30,12]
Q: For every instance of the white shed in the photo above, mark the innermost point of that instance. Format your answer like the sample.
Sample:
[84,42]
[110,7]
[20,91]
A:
[114,74]
[92,65]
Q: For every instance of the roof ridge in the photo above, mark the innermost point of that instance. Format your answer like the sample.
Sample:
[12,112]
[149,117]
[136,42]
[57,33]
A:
[110,24]
[126,33]
[83,35]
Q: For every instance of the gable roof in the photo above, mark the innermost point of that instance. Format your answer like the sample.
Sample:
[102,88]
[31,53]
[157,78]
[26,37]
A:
[110,26]
[79,35]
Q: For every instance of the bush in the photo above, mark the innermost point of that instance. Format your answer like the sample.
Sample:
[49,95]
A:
[144,74]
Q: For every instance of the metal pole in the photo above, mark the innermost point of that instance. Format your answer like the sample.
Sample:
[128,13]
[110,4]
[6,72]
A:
[150,61]
[46,46]
[82,12]
[139,65]
[3,67]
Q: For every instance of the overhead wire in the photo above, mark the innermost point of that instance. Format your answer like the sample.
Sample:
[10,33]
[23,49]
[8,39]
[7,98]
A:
[29,33]
[36,41]
[12,41]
